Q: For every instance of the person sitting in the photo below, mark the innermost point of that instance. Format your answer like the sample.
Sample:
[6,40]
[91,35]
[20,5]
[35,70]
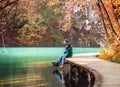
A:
[68,53]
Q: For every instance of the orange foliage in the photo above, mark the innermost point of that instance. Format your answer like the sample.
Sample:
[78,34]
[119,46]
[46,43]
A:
[107,5]
[111,17]
[67,8]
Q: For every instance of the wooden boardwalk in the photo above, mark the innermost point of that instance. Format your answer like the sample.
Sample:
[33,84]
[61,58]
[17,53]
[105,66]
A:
[107,74]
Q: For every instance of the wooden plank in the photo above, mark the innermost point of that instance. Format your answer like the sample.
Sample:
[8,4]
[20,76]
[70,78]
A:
[107,74]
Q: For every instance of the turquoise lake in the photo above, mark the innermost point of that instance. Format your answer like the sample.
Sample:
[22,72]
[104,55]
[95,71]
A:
[25,54]
[31,66]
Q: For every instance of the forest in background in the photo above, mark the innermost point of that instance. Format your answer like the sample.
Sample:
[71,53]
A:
[88,23]
[48,22]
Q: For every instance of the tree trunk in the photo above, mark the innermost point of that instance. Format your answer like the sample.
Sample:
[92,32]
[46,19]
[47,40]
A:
[106,32]
[112,28]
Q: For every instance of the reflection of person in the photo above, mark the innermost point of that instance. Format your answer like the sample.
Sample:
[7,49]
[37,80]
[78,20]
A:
[59,75]
[68,53]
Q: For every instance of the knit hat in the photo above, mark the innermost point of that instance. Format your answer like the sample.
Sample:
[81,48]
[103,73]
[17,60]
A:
[67,41]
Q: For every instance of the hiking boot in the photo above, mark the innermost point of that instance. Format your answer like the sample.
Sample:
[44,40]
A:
[54,64]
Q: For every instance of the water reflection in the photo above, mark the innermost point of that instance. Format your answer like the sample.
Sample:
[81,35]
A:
[38,74]
[59,75]
[32,74]
[74,77]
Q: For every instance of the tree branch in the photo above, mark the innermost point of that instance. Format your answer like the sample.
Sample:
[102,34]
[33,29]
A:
[112,28]
[8,4]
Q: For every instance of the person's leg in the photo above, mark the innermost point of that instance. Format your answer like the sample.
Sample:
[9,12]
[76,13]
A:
[60,59]
[63,60]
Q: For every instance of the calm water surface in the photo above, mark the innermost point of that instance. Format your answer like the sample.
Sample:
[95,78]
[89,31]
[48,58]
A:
[31,67]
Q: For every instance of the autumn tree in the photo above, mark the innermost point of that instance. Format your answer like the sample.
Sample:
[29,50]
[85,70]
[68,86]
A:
[35,22]
[6,8]
[110,18]
[79,16]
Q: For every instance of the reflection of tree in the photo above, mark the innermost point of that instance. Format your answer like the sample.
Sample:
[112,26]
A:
[76,77]
[79,76]
[33,74]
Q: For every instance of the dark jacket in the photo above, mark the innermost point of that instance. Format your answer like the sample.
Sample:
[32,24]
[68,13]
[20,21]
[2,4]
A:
[68,50]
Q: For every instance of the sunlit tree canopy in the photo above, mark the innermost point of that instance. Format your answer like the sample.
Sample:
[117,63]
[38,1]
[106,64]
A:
[88,23]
